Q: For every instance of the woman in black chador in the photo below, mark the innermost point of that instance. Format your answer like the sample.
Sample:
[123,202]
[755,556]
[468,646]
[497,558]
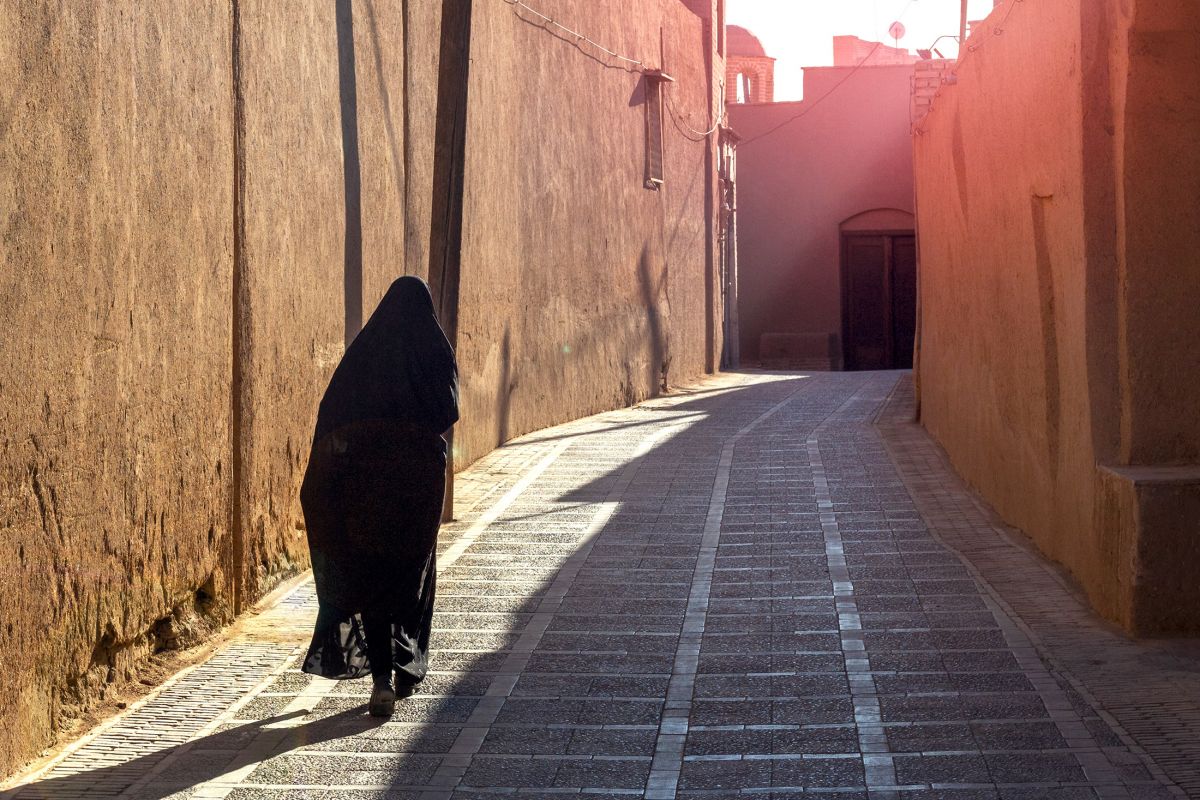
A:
[372,496]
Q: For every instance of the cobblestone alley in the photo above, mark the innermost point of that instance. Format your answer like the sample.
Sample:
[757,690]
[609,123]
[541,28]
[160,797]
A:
[769,586]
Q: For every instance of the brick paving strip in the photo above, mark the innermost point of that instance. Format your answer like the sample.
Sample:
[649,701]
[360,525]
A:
[667,763]
[878,770]
[305,702]
[485,714]
[753,589]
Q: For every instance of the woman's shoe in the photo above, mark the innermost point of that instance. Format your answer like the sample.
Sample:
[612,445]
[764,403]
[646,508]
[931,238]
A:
[383,701]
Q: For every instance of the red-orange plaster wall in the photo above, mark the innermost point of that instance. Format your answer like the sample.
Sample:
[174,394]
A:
[1059,334]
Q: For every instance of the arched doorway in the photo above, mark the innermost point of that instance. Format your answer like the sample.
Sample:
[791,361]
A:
[879,290]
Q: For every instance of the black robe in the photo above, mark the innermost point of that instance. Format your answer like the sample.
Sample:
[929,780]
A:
[373,491]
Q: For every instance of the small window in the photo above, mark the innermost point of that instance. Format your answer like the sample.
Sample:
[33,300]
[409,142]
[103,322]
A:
[654,134]
[655,79]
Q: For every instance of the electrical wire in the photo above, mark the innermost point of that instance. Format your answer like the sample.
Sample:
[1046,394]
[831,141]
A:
[808,107]
[579,37]
[632,65]
[686,130]
[997,30]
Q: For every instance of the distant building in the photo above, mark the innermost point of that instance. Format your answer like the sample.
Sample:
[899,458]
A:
[827,255]
[749,71]
[851,51]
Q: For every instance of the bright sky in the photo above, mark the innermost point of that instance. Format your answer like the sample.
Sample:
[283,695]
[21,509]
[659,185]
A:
[799,33]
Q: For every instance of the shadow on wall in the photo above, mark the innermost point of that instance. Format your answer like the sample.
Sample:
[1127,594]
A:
[399,157]
[351,170]
[505,388]
[638,98]
[659,363]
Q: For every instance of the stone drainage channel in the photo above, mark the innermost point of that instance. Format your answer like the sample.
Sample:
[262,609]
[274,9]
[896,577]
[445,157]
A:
[743,590]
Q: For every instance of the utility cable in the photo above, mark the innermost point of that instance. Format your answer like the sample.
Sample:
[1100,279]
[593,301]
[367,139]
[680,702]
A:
[686,130]
[632,65]
[997,30]
[577,36]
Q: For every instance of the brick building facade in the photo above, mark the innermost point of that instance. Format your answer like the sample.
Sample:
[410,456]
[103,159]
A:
[749,71]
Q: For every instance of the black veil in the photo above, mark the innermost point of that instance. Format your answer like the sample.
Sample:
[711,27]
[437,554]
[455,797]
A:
[400,366]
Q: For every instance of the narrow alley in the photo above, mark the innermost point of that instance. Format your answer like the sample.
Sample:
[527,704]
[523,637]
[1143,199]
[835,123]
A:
[767,586]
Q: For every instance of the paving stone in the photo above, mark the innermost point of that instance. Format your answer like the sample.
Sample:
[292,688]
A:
[737,774]
[590,741]
[488,771]
[1034,768]
[817,772]
[318,769]
[608,643]
[1018,736]
[754,663]
[941,769]
[938,794]
[402,739]
[926,737]
[744,592]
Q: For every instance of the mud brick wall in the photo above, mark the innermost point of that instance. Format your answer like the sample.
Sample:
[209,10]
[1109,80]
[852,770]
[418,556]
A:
[1060,345]
[582,290]
[202,202]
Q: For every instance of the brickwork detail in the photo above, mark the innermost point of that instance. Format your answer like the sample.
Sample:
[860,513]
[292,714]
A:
[755,72]
[928,79]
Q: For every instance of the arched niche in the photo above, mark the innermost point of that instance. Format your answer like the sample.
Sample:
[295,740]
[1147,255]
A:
[880,219]
[879,289]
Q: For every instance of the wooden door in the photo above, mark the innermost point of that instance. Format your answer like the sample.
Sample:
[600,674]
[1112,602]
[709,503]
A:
[904,300]
[866,302]
[879,300]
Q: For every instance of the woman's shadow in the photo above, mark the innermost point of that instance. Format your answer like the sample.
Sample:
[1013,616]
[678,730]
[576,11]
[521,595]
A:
[176,769]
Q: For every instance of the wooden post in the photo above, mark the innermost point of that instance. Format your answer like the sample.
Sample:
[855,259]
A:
[235,563]
[449,157]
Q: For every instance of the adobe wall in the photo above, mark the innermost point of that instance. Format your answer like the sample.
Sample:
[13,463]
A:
[125,271]
[760,70]
[1154,474]
[178,287]
[116,142]
[1161,234]
[1058,343]
[850,153]
[581,290]
[1000,212]
[323,146]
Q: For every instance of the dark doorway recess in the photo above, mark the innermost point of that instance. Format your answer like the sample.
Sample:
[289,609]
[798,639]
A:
[879,299]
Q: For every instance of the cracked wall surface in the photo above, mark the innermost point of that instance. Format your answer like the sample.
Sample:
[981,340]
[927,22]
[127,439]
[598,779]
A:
[116,142]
